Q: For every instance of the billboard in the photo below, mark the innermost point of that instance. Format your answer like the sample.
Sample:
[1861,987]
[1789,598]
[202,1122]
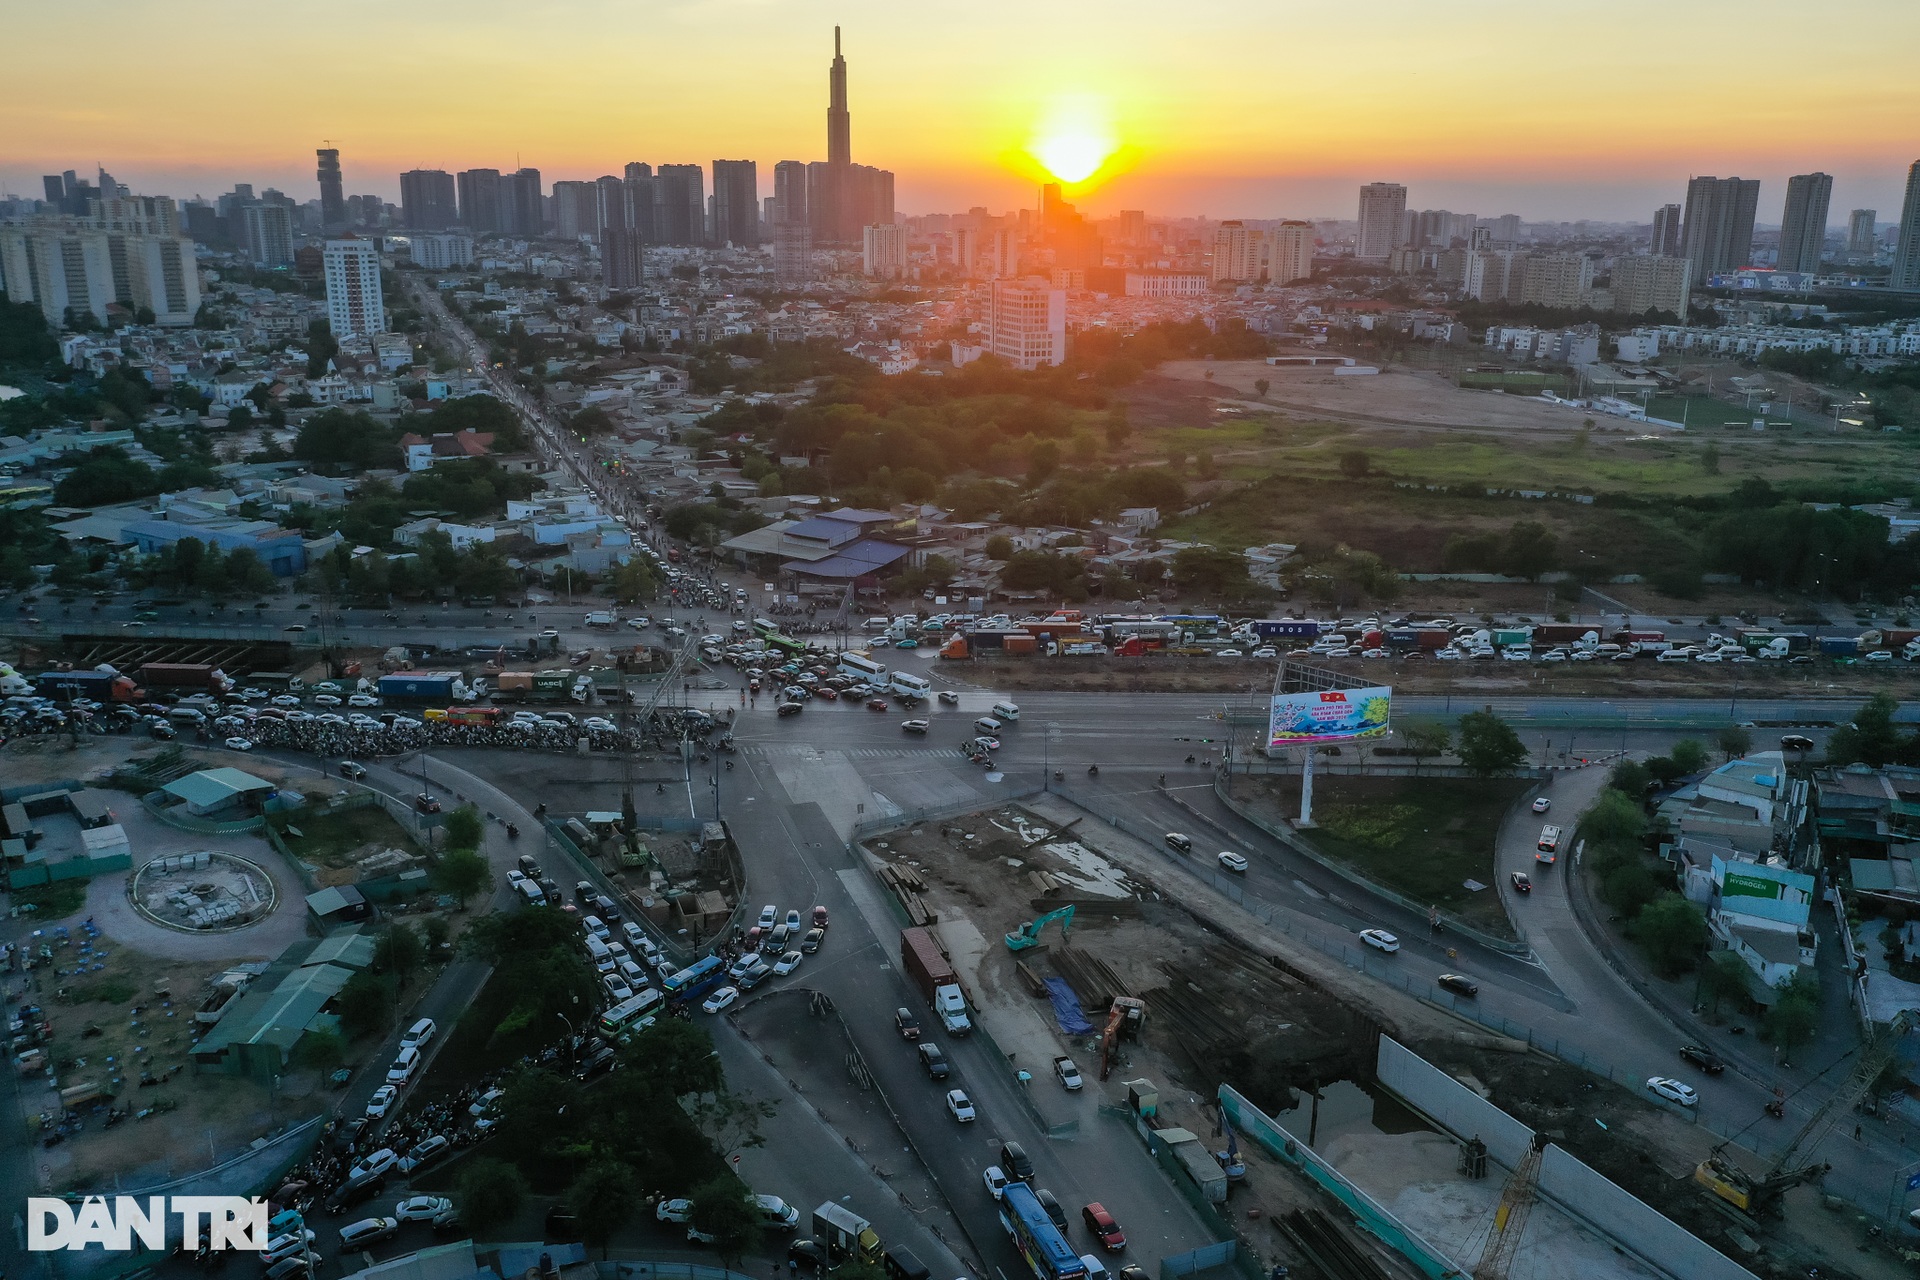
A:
[1328,715]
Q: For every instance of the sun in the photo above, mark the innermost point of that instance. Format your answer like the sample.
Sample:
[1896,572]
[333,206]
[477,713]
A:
[1073,139]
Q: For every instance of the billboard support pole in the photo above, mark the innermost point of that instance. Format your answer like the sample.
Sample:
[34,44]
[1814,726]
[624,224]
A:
[1306,790]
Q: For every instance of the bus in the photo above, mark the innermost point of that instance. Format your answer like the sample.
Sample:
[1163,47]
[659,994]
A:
[473,715]
[911,686]
[1549,847]
[1035,1236]
[695,980]
[857,663]
[629,1016]
[770,635]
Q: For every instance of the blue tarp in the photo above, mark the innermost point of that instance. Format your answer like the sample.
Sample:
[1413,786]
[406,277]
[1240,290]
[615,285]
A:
[1066,1007]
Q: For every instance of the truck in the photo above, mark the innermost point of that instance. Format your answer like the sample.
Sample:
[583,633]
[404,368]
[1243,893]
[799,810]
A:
[1837,646]
[939,984]
[419,686]
[101,686]
[533,686]
[1631,639]
[1505,636]
[1287,629]
[845,1234]
[1551,633]
[604,618]
[166,676]
[277,681]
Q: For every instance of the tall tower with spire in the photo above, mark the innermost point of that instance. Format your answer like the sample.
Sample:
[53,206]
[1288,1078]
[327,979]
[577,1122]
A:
[839,124]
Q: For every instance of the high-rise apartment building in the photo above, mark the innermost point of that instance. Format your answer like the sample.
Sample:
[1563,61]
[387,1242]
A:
[1027,323]
[679,204]
[1559,280]
[612,205]
[1237,252]
[481,210]
[1382,206]
[88,265]
[1803,224]
[884,250]
[442,250]
[1861,226]
[1718,232]
[268,233]
[333,192]
[352,273]
[1666,232]
[1503,230]
[1658,282]
[522,204]
[792,252]
[427,199]
[1133,227]
[575,209]
[68,271]
[736,203]
[1493,275]
[789,192]
[622,257]
[1002,254]
[964,243]
[1906,241]
[1290,252]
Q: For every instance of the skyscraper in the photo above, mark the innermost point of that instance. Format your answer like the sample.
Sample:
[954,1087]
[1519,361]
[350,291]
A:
[679,204]
[1718,234]
[789,192]
[736,203]
[1133,227]
[1861,224]
[269,234]
[792,252]
[333,198]
[844,197]
[1236,252]
[1803,226]
[839,122]
[575,209]
[1290,252]
[610,211]
[427,200]
[1382,205]
[354,304]
[480,206]
[522,207]
[1906,243]
[1666,231]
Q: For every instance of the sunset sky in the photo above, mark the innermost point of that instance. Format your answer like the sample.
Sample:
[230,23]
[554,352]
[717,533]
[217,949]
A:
[1231,108]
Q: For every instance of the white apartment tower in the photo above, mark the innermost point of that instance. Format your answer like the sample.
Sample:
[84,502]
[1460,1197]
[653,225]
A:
[1383,207]
[1290,252]
[1237,252]
[352,270]
[884,250]
[1027,323]
[1655,282]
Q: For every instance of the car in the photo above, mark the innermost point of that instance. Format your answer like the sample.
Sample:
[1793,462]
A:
[787,963]
[949,698]
[808,1255]
[363,700]
[1265,651]
[1542,805]
[1178,842]
[429,1150]
[1068,1073]
[906,1024]
[1013,1158]
[789,709]
[1103,1227]
[753,977]
[326,700]
[421,1208]
[769,916]
[811,942]
[1705,1059]
[381,1102]
[720,999]
[426,803]
[877,704]
[960,1106]
[1233,861]
[373,1165]
[1459,984]
[792,920]
[743,964]
[286,1245]
[820,920]
[1880,655]
[1052,1206]
[1673,1091]
[1520,882]
[408,1062]
[1380,940]
[238,744]
[932,1061]
[617,987]
[673,1211]
[1796,742]
[916,726]
[996,1180]
[293,1266]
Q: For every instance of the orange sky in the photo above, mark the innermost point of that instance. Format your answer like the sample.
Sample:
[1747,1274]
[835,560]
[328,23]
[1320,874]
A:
[1255,108]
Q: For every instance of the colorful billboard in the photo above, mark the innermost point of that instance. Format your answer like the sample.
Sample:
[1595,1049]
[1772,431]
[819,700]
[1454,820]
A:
[1331,715]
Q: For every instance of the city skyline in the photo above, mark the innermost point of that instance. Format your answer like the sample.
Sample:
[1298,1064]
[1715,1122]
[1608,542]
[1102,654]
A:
[961,123]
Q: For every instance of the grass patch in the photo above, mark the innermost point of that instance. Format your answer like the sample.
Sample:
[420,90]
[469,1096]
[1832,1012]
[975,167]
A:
[105,991]
[327,839]
[54,901]
[1422,837]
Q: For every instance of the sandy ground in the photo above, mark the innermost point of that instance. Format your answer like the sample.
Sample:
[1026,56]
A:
[1387,399]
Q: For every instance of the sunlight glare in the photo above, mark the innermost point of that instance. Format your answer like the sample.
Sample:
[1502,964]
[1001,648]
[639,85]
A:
[1073,139]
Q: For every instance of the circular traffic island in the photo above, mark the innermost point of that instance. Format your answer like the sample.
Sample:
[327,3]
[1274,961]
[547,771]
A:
[203,892]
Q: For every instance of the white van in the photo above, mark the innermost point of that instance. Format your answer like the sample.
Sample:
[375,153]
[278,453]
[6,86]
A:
[598,953]
[776,1213]
[987,724]
[1006,711]
[420,1034]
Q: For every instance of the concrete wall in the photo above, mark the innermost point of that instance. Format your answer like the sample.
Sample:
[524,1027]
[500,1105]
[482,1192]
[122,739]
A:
[1622,1218]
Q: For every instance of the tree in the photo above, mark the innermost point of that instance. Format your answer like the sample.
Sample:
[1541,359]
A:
[1356,464]
[1734,741]
[1042,461]
[1795,1014]
[365,1004]
[399,951]
[322,1049]
[721,1209]
[1530,550]
[1870,738]
[435,931]
[464,828]
[1212,572]
[106,477]
[490,1190]
[1260,386]
[1723,977]
[1631,778]
[1614,819]
[602,1200]
[1426,738]
[675,1057]
[1674,933]
[1690,755]
[999,547]
[633,582]
[1629,887]
[1488,745]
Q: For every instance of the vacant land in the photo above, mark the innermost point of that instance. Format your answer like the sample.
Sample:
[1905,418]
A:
[331,841]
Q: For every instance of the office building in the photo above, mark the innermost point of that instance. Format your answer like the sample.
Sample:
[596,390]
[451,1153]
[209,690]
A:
[1290,252]
[679,204]
[427,200]
[1666,232]
[884,251]
[736,203]
[1803,225]
[522,204]
[442,250]
[1237,252]
[353,288]
[268,232]
[1382,206]
[1718,232]
[1861,226]
[1659,282]
[333,194]
[1560,280]
[481,211]
[1906,239]
[843,198]
[1027,323]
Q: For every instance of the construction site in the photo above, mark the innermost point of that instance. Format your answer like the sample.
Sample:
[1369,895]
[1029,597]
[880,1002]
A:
[1071,938]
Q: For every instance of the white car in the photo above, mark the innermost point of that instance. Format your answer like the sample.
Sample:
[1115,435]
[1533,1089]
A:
[987,744]
[793,920]
[373,1165]
[600,724]
[1265,651]
[1228,653]
[617,988]
[720,999]
[1878,655]
[996,1181]
[239,744]
[1233,861]
[381,1102]
[1542,805]
[326,700]
[408,1062]
[1380,940]
[769,916]
[960,1106]
[286,700]
[1672,1090]
[673,1211]
[740,967]
[1448,655]
[420,1034]
[787,963]
[421,1208]
[363,700]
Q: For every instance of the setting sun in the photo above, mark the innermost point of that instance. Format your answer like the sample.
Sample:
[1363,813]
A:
[1074,139]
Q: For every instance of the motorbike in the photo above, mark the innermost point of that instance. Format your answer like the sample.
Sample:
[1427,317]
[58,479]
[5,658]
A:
[1093,771]
[513,832]
[1777,1109]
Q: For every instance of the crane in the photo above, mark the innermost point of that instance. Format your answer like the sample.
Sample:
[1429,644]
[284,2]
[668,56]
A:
[1028,934]
[1510,1215]
[1756,1194]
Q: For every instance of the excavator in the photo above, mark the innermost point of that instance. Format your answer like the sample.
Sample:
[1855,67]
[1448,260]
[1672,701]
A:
[1757,1195]
[1126,1016]
[1028,934]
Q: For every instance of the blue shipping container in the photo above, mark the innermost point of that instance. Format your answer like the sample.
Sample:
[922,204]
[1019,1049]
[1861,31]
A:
[417,685]
[1291,628]
[1839,644]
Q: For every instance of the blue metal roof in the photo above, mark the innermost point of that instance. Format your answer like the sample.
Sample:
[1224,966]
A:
[862,557]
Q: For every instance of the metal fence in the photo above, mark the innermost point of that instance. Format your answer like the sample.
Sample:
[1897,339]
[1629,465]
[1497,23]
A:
[1201,1259]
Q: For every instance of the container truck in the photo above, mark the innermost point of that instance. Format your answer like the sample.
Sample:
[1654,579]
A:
[920,957]
[164,676]
[1835,646]
[1562,633]
[845,1234]
[1505,636]
[419,686]
[1628,639]
[101,686]
[1287,629]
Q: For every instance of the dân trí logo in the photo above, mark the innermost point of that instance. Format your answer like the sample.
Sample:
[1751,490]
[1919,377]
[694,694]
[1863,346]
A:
[222,1222]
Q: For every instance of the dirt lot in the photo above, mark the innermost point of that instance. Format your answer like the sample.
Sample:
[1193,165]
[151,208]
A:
[1388,399]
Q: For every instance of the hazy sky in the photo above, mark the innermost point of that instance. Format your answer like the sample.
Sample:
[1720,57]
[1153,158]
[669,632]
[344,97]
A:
[1232,108]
